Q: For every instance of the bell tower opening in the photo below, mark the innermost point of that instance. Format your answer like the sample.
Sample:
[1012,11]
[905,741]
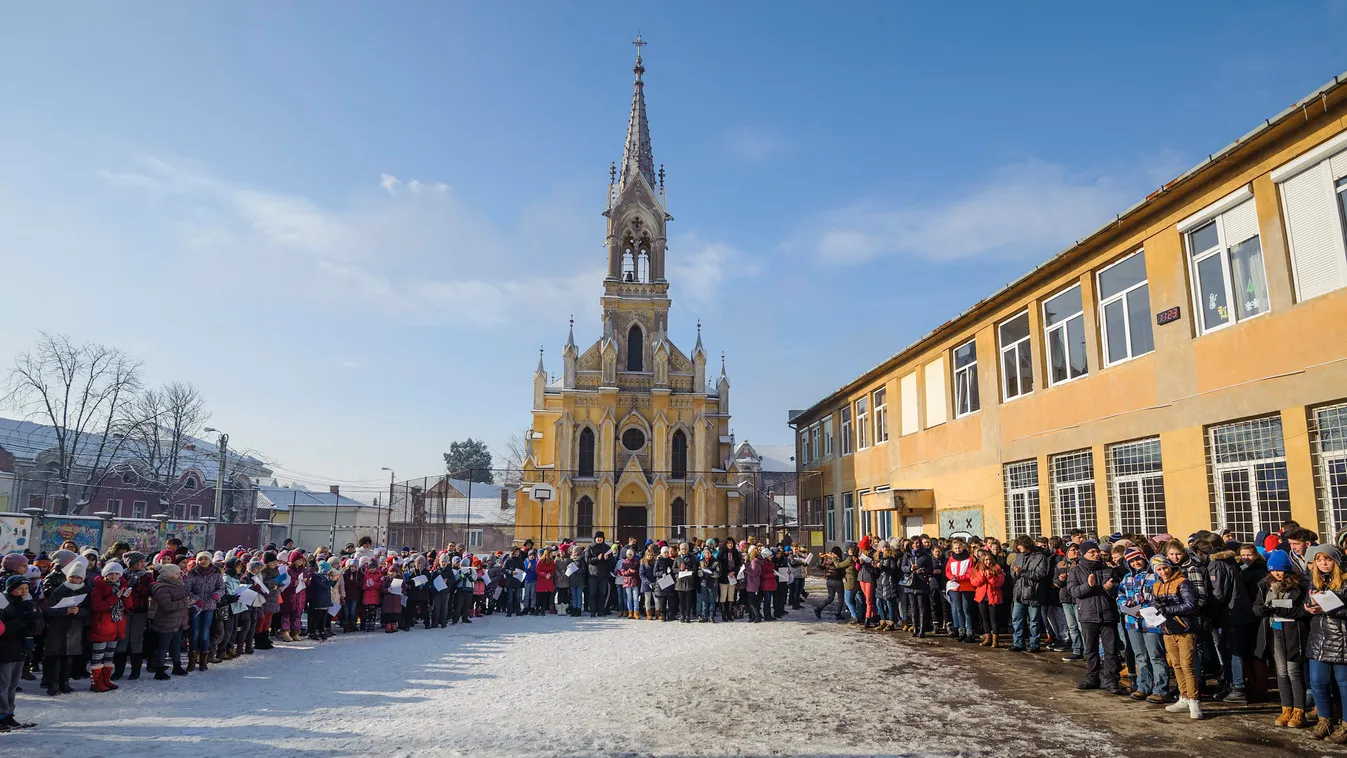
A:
[635,348]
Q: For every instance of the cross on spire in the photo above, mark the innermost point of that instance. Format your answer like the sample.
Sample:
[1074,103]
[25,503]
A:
[639,43]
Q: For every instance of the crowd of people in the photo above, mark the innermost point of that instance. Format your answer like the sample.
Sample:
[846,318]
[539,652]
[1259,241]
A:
[1156,620]
[1206,618]
[77,614]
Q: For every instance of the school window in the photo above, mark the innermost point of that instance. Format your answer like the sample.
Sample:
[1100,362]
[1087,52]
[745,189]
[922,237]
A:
[584,519]
[862,419]
[827,436]
[830,513]
[1072,492]
[194,513]
[1136,487]
[474,538]
[1314,201]
[881,415]
[115,507]
[816,442]
[1064,325]
[846,431]
[935,392]
[908,423]
[1248,476]
[1125,309]
[883,524]
[806,455]
[1225,261]
[1017,360]
[139,509]
[1328,435]
[966,379]
[1022,514]
[848,517]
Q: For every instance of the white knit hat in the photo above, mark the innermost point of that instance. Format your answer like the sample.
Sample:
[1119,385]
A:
[113,567]
[78,567]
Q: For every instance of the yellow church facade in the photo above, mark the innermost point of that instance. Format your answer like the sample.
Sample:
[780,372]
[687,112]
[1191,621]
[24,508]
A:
[631,440]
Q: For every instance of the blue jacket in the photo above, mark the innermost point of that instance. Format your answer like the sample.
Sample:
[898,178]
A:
[1135,592]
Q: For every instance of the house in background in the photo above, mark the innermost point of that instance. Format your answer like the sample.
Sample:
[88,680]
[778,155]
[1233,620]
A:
[434,511]
[767,487]
[308,517]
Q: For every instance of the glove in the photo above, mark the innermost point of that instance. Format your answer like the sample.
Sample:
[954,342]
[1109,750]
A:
[214,596]
[201,605]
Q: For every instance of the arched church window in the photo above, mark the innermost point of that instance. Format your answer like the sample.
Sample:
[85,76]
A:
[586,462]
[679,451]
[679,516]
[635,349]
[584,518]
[643,267]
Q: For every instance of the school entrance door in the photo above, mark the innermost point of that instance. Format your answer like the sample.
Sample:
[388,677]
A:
[630,523]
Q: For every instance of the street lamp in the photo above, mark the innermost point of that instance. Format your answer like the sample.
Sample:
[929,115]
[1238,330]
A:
[221,445]
[391,478]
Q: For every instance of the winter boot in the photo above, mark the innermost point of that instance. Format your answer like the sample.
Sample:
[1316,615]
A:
[107,678]
[178,670]
[191,661]
[1284,717]
[215,656]
[136,661]
[96,680]
[118,666]
[161,675]
[205,658]
[63,676]
[996,639]
[229,654]
[1297,719]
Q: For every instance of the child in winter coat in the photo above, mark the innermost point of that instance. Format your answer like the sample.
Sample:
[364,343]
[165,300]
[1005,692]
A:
[352,590]
[1283,632]
[19,619]
[318,596]
[66,609]
[987,579]
[371,595]
[108,624]
[293,599]
[391,601]
[137,608]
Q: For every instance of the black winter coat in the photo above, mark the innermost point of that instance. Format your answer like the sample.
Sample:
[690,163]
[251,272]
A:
[1295,636]
[917,570]
[1328,634]
[1094,604]
[1061,571]
[65,633]
[21,619]
[685,563]
[1228,602]
[1031,582]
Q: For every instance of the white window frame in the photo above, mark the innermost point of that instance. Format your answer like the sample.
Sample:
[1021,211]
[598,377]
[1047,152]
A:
[827,436]
[115,506]
[140,509]
[1127,312]
[830,516]
[862,422]
[476,537]
[1215,213]
[1330,459]
[848,517]
[848,442]
[962,380]
[815,442]
[1024,343]
[1150,487]
[194,512]
[1066,345]
[879,400]
[1250,468]
[806,455]
[1022,501]
[1080,489]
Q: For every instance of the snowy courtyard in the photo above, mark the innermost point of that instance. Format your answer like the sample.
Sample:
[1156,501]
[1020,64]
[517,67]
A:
[559,686]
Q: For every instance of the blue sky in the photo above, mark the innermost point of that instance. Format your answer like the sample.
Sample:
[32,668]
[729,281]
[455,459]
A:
[353,224]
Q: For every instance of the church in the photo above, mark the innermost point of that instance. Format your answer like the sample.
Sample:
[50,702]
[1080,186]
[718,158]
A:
[631,440]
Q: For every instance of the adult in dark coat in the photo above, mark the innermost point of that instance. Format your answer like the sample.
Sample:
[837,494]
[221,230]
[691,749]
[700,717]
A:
[599,563]
[1031,572]
[65,625]
[1094,586]
[172,605]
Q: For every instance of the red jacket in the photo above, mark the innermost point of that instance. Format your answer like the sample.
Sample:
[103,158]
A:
[987,586]
[960,570]
[373,587]
[547,573]
[108,620]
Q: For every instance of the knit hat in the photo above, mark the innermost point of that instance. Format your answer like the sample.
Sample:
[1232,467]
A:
[1329,550]
[206,555]
[133,557]
[113,567]
[78,567]
[169,570]
[324,566]
[1159,560]
[12,561]
[1133,554]
[1278,560]
[1087,546]
[598,535]
[11,582]
[254,563]
[61,557]
[283,556]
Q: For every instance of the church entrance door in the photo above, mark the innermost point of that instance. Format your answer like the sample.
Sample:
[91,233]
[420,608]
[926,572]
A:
[631,522]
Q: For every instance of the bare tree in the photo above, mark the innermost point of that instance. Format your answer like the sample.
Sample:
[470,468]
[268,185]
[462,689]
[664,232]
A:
[512,459]
[85,392]
[166,423]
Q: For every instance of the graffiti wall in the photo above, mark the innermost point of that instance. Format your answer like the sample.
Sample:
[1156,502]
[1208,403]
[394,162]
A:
[84,531]
[194,534]
[142,535]
[16,533]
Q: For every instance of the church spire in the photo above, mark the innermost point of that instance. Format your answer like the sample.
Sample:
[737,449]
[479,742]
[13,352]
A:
[637,156]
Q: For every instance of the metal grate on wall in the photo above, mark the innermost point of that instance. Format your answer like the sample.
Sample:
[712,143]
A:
[1022,500]
[1072,492]
[1246,462]
[1136,487]
[1328,442]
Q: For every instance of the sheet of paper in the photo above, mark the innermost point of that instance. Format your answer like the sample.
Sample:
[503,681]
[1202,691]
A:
[1329,601]
[70,602]
[684,574]
[571,569]
[865,558]
[1283,620]
[783,575]
[395,587]
[665,582]
[4,601]
[301,584]
[1152,617]
[247,596]
[808,558]
[440,584]
[519,575]
[261,585]
[419,581]
[334,610]
[1283,603]
[496,593]
[404,601]
[732,579]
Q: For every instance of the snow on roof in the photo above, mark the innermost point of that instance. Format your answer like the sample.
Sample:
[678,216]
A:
[774,459]
[282,498]
[26,439]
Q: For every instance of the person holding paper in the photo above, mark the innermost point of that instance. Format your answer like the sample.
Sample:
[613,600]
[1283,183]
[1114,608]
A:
[1327,606]
[1283,633]
[416,588]
[318,600]
[599,560]
[1176,599]
[371,593]
[293,597]
[514,577]
[1150,681]
[707,586]
[561,580]
[465,581]
[665,581]
[137,608]
[650,583]
[918,569]
[65,609]
[107,624]
[685,584]
[390,596]
[767,584]
[443,592]
[754,568]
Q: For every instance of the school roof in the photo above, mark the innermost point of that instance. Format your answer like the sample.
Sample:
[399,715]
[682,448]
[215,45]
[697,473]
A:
[283,498]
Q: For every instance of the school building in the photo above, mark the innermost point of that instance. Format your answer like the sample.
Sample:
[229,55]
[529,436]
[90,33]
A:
[1182,368]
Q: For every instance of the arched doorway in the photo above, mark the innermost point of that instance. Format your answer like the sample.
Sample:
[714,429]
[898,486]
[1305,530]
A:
[633,509]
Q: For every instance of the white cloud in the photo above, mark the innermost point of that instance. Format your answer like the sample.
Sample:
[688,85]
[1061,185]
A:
[700,269]
[1031,209]
[754,144]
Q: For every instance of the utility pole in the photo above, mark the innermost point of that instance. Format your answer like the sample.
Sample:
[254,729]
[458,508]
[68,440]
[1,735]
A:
[336,507]
[387,531]
[221,444]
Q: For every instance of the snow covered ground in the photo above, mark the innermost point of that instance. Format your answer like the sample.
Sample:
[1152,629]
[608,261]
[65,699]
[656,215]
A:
[558,686]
